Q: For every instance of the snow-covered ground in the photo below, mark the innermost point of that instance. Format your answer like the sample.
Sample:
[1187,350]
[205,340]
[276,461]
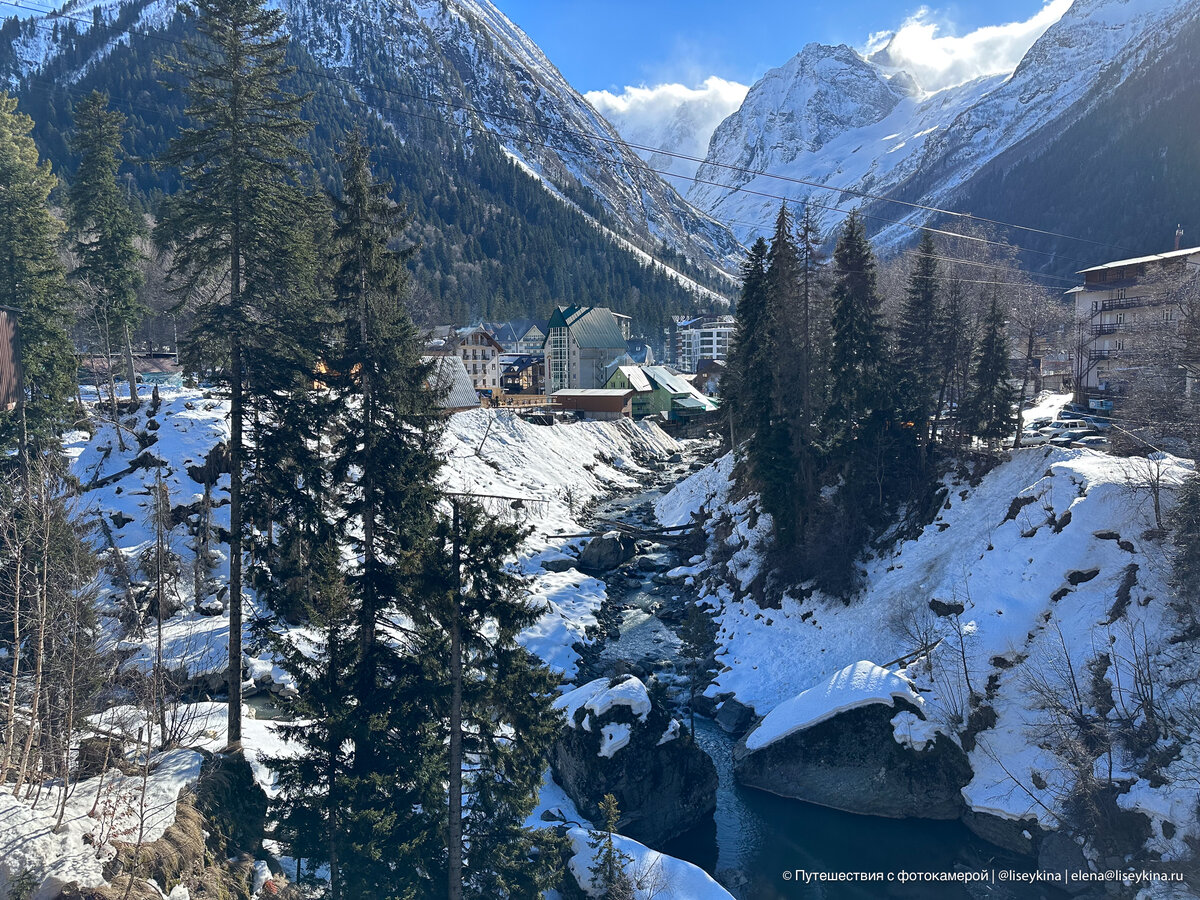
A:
[1054,555]
[554,472]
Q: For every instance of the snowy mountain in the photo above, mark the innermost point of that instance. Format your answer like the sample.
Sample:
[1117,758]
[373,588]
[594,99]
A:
[461,64]
[831,117]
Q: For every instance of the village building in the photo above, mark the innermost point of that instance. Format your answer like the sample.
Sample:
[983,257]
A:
[449,380]
[1126,305]
[657,391]
[601,404]
[581,343]
[523,373]
[521,336]
[700,338]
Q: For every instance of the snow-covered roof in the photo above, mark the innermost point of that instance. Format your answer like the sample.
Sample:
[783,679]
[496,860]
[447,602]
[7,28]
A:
[859,684]
[1139,260]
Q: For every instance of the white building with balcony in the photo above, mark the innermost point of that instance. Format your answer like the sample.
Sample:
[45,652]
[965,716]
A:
[705,337]
[1126,304]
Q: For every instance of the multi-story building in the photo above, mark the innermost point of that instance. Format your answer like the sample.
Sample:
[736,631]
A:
[1124,306]
[480,353]
[703,337]
[581,343]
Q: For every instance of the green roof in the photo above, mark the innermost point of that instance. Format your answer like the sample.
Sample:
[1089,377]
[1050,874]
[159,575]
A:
[590,326]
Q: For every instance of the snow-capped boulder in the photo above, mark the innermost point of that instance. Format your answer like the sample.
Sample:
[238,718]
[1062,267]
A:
[619,741]
[857,742]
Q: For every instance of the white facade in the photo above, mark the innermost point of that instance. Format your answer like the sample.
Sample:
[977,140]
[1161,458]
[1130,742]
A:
[702,339]
[1126,304]
[481,356]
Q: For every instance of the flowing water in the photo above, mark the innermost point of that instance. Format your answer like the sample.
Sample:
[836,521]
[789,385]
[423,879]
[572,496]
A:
[755,836]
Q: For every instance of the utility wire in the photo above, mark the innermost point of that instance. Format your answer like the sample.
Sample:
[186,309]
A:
[618,142]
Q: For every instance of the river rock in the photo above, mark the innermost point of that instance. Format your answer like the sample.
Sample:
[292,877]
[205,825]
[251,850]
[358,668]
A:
[1059,853]
[559,563]
[606,552]
[1019,836]
[734,716]
[839,745]
[620,742]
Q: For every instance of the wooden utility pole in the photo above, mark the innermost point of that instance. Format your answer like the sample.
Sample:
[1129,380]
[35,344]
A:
[456,667]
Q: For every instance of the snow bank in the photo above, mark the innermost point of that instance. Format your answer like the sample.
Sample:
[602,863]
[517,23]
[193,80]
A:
[860,684]
[655,876]
[1051,549]
[77,852]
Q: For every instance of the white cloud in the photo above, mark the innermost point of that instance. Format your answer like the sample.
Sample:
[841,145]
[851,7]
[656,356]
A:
[939,60]
[672,117]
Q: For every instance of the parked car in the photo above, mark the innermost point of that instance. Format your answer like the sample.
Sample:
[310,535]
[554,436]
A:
[1067,426]
[1100,423]
[1092,442]
[1032,438]
[1062,440]
[1038,423]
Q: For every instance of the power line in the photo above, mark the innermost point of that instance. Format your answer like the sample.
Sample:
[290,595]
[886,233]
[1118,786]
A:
[617,141]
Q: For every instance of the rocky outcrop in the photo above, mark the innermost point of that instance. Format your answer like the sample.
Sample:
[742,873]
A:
[619,742]
[606,552]
[858,743]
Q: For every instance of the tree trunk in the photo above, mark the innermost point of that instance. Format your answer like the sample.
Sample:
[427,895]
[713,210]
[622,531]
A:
[234,675]
[1021,396]
[454,839]
[130,371]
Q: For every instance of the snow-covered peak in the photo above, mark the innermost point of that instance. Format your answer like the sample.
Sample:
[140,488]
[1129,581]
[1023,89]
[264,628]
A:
[831,117]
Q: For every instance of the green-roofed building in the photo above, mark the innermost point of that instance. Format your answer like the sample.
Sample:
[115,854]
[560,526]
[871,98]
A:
[581,344]
[660,392]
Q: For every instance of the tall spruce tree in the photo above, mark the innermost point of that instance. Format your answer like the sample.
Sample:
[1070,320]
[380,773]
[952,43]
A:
[231,227]
[740,390]
[32,282]
[771,456]
[857,340]
[384,463]
[949,329]
[499,722]
[916,350]
[1185,553]
[105,228]
[989,411]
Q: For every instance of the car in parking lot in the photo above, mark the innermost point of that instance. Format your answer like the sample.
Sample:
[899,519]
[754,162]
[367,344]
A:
[1092,442]
[1067,426]
[1033,438]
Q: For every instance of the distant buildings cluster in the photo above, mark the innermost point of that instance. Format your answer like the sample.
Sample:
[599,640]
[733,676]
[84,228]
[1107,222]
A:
[583,360]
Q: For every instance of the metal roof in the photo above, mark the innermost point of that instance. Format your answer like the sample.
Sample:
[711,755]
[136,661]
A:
[448,376]
[637,378]
[593,327]
[593,392]
[1139,260]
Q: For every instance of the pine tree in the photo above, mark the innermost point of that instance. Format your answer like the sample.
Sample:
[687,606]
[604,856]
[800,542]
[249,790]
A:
[383,463]
[1185,553]
[989,410]
[610,864]
[740,388]
[770,452]
[857,346]
[915,339]
[105,229]
[496,689]
[32,282]
[948,338]
[229,226]
[696,642]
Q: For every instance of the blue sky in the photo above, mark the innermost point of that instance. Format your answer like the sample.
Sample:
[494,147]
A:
[614,43]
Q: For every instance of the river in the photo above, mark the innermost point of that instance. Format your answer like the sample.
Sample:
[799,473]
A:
[756,836]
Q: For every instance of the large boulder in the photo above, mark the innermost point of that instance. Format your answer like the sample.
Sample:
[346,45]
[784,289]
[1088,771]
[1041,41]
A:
[606,552]
[618,741]
[858,742]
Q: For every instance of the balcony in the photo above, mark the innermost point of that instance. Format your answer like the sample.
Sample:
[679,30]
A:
[1107,328]
[1098,353]
[1124,303]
